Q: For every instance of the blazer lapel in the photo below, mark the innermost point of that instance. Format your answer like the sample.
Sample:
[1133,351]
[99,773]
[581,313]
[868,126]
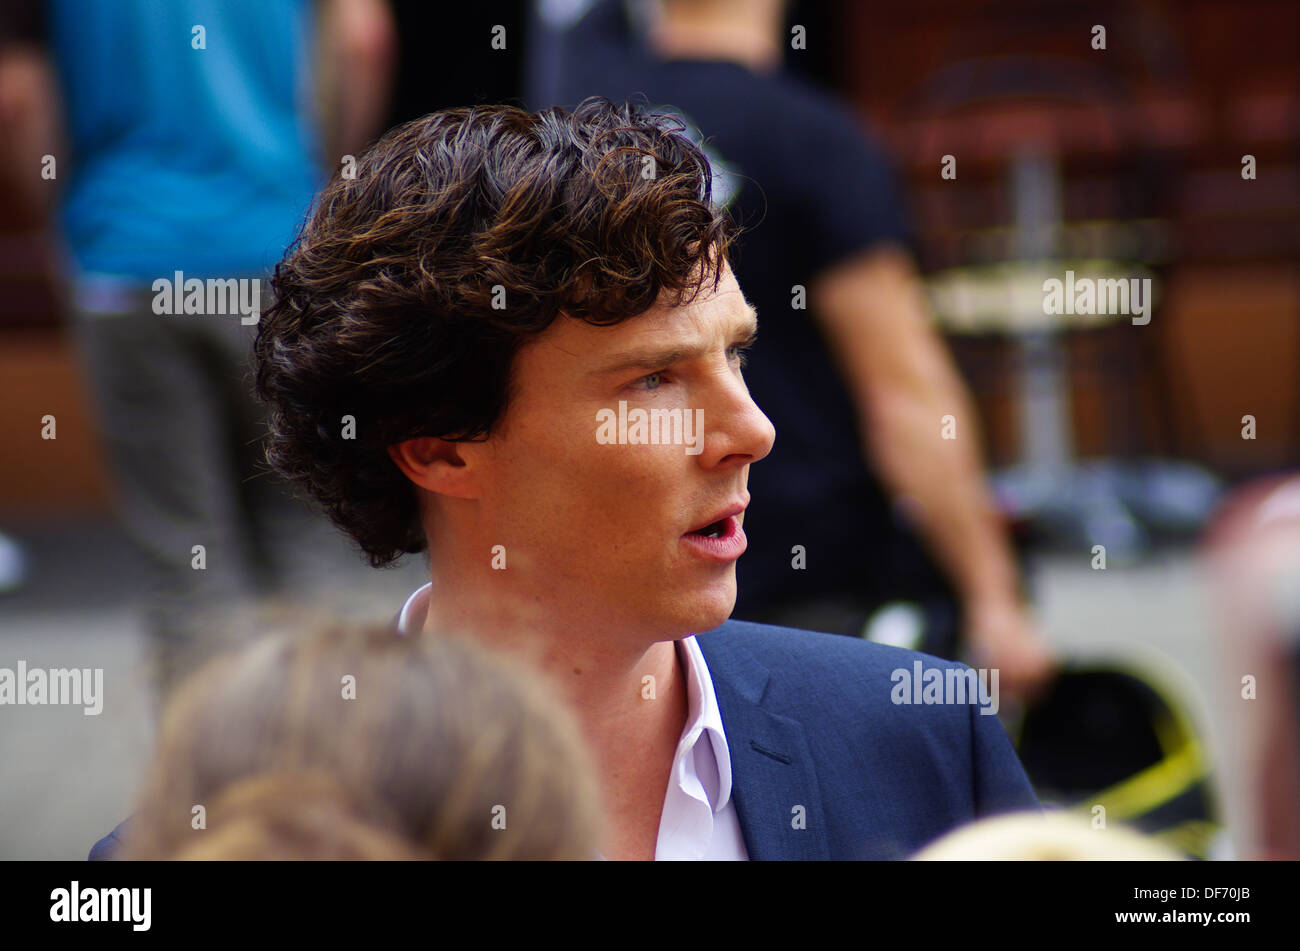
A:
[773,782]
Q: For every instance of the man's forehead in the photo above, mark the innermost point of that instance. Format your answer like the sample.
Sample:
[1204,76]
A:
[656,346]
[726,307]
[725,313]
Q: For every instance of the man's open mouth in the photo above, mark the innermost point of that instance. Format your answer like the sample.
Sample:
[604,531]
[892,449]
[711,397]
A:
[721,541]
[714,529]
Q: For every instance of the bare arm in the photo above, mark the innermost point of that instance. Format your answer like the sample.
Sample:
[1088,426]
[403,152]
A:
[30,128]
[903,383]
[355,64]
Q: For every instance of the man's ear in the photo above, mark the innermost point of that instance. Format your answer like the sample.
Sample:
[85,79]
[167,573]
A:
[437,465]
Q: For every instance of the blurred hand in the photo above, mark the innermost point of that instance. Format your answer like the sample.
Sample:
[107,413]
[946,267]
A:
[1001,635]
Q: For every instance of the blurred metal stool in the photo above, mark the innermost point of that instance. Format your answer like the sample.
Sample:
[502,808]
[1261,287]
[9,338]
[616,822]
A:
[1109,502]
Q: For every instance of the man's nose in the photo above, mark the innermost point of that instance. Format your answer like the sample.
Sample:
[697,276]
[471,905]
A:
[740,432]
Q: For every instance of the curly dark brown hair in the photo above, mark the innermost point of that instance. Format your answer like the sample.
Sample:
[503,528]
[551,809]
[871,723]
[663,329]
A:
[411,287]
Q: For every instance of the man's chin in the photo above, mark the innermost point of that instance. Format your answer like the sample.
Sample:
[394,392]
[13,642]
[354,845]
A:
[708,609]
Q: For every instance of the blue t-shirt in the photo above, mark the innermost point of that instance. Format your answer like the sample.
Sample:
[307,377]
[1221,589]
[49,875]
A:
[810,189]
[198,160]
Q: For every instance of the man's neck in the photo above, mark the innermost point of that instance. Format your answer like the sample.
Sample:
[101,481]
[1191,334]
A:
[630,723]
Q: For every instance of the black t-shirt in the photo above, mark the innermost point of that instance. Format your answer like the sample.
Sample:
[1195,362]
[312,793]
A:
[810,189]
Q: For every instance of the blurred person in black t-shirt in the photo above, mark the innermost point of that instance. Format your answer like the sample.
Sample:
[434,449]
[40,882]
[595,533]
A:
[847,365]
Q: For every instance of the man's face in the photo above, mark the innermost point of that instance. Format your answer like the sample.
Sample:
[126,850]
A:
[596,522]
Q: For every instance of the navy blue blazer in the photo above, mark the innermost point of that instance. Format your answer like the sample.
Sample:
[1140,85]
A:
[811,722]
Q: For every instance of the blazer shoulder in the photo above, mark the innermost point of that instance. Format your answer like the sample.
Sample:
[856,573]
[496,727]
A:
[830,678]
[814,652]
[871,710]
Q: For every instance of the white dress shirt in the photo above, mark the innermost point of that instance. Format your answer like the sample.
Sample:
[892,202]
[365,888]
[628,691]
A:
[699,818]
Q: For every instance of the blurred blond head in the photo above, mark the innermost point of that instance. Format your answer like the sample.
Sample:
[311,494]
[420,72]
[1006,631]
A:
[293,817]
[1044,837]
[351,741]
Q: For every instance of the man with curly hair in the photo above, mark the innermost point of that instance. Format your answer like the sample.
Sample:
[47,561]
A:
[482,346]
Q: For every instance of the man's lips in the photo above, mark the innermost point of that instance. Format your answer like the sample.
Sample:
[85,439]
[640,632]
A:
[715,522]
[724,546]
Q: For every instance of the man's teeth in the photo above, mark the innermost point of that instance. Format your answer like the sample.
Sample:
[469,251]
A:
[714,530]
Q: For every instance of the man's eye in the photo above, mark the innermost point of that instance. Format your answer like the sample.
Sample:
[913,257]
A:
[652,380]
[739,352]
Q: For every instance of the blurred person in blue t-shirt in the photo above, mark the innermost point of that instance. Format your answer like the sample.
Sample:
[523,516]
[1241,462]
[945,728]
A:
[181,144]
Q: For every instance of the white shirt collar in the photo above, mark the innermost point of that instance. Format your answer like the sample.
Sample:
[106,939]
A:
[704,717]
[415,611]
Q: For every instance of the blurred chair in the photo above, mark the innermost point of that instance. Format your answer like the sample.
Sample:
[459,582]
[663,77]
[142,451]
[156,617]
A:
[1119,738]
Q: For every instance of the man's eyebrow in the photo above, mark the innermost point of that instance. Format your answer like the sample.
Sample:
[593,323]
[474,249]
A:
[654,359]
